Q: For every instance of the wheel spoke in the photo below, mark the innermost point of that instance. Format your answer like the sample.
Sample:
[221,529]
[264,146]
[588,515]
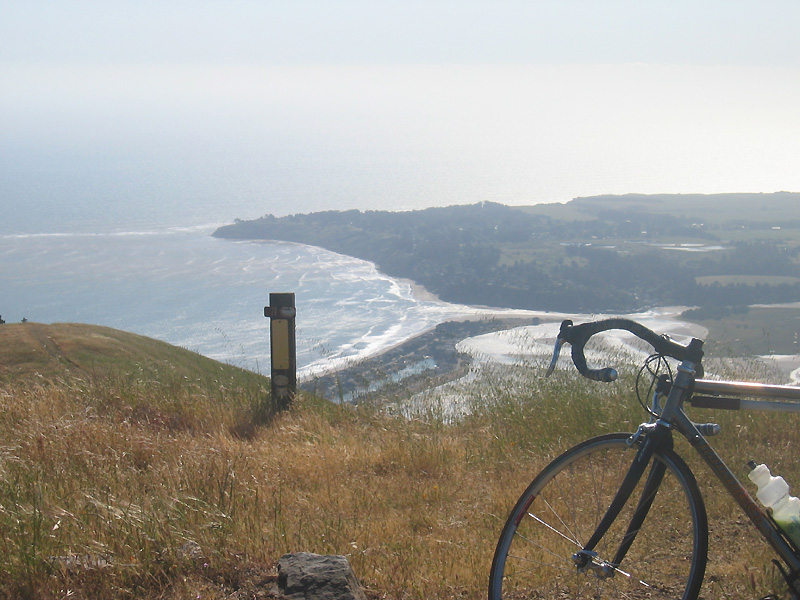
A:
[574,537]
[554,530]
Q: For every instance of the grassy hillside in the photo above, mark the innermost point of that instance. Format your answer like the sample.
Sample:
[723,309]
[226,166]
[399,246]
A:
[751,331]
[133,376]
[122,486]
[765,210]
[61,350]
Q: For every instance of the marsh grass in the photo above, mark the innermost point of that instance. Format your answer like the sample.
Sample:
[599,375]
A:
[123,488]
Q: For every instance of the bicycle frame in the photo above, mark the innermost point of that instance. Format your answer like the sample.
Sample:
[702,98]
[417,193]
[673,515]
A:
[758,516]
[659,435]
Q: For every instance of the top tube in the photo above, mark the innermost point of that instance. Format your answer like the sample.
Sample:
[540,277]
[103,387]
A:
[746,389]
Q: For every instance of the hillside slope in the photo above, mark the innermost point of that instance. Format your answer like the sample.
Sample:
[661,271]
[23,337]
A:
[600,254]
[162,489]
[63,350]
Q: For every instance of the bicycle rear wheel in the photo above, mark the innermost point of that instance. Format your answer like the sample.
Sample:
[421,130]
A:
[560,510]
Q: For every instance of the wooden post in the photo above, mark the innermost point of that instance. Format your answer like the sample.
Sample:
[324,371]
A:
[281,312]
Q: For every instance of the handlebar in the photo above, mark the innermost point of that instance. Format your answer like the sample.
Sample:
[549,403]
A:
[578,335]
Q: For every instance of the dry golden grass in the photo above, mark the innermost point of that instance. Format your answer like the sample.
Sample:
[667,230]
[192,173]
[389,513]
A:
[74,350]
[178,490]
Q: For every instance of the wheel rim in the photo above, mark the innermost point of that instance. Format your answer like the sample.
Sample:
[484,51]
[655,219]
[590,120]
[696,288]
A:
[560,512]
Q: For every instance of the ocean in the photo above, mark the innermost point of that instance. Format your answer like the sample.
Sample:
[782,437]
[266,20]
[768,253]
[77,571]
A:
[182,286]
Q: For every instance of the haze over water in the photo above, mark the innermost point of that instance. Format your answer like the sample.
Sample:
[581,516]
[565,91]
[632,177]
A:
[128,148]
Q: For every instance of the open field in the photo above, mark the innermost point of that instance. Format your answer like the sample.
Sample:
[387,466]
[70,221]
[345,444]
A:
[117,488]
[754,331]
[758,211]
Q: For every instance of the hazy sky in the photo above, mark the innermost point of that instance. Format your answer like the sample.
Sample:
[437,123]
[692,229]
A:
[270,32]
[273,32]
[390,103]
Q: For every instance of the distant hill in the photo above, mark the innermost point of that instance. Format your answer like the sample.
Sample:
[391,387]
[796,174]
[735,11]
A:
[596,254]
[764,209]
[67,350]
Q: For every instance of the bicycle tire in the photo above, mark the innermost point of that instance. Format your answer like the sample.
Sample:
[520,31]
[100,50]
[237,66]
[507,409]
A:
[560,510]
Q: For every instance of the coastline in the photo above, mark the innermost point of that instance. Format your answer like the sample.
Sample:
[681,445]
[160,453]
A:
[414,365]
[478,335]
[455,347]
[428,355]
[420,292]
[428,359]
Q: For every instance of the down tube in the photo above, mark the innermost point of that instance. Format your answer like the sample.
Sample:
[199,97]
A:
[739,493]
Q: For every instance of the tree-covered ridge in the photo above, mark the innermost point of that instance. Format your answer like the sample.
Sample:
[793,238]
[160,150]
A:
[616,253]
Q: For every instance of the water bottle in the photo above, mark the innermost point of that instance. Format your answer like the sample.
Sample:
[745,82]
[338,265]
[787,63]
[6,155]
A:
[773,492]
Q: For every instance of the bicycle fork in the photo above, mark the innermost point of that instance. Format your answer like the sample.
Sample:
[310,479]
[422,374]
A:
[658,435]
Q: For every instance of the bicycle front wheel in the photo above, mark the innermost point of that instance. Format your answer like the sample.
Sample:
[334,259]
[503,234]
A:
[560,510]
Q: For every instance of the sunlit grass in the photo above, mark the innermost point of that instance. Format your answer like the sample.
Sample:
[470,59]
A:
[119,489]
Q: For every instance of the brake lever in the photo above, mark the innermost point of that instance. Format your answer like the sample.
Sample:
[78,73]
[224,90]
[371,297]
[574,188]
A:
[556,353]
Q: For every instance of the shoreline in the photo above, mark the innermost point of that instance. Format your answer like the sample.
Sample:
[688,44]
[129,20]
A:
[413,365]
[460,313]
[441,355]
[420,292]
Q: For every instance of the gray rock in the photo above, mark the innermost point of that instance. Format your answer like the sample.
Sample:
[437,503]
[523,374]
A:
[307,576]
[190,550]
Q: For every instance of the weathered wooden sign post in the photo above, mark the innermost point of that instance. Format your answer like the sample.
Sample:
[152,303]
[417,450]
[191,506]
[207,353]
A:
[281,312]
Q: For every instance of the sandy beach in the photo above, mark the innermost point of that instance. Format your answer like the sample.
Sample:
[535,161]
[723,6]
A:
[536,341]
[420,292]
[471,339]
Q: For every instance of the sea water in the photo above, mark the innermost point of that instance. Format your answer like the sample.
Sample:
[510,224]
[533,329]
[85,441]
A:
[185,287]
[181,285]
[148,264]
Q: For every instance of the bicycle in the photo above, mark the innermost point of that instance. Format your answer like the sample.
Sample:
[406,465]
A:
[621,515]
